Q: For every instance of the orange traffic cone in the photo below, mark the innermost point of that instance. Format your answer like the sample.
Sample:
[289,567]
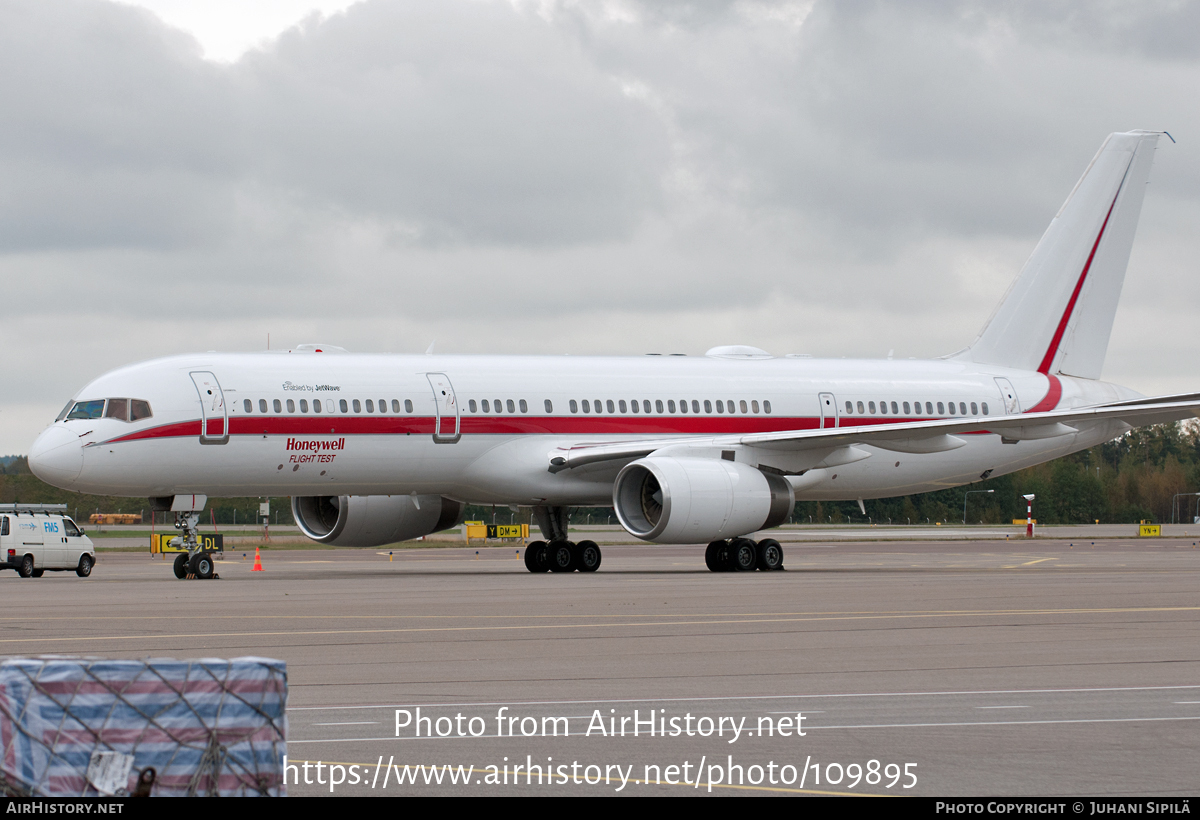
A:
[257,561]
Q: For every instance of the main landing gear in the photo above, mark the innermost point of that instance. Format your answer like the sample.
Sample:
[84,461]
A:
[556,553]
[743,555]
[196,562]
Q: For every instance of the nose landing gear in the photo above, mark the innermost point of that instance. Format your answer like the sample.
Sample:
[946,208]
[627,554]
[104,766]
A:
[197,562]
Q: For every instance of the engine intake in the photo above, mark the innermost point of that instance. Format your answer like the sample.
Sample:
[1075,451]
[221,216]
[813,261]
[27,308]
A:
[697,500]
[374,520]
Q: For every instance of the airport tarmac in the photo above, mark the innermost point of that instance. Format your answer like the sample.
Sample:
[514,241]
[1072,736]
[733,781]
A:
[991,667]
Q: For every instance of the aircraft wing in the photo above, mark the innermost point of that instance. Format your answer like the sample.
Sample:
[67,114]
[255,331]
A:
[935,435]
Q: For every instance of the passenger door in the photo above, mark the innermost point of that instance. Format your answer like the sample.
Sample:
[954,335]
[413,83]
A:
[446,423]
[214,415]
[829,414]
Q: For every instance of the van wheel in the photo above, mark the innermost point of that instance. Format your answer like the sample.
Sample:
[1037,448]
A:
[26,568]
[181,565]
[85,566]
[38,573]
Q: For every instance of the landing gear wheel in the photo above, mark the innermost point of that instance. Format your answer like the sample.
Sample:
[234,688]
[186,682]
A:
[25,570]
[85,566]
[744,554]
[181,565]
[562,558]
[38,573]
[770,555]
[201,565]
[589,556]
[714,556]
[537,557]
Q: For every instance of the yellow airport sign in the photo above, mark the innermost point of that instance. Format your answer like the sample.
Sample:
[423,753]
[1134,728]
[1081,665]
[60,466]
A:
[1154,530]
[160,542]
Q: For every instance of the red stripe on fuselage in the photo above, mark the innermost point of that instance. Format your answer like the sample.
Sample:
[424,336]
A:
[1050,400]
[508,425]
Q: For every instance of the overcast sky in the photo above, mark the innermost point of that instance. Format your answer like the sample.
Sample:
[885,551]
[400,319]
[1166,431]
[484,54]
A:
[839,179]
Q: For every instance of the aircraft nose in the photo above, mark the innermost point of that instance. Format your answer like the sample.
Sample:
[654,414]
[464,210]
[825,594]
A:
[56,456]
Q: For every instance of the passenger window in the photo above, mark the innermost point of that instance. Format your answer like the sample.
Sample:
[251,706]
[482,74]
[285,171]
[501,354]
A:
[670,405]
[574,406]
[383,405]
[549,406]
[303,405]
[357,406]
[408,408]
[291,406]
[658,405]
[599,406]
[754,405]
[587,407]
[262,405]
[512,408]
[611,407]
[951,405]
[707,406]
[974,409]
[766,406]
[720,406]
[317,405]
[248,405]
[849,407]
[396,406]
[487,407]
[871,407]
[962,408]
[883,407]
[87,410]
[343,406]
[917,407]
[524,407]
[906,410]
[471,404]
[743,403]
[695,406]
[683,406]
[370,406]
[929,408]
[633,405]
[941,409]
[860,408]
[985,410]
[646,406]
[895,409]
[621,406]
[278,405]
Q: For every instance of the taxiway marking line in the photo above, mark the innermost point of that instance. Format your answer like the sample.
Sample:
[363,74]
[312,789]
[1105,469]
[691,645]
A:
[528,627]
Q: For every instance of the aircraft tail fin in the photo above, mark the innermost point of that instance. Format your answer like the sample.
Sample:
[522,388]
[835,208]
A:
[1058,314]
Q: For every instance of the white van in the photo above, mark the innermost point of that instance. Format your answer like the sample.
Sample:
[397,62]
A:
[38,537]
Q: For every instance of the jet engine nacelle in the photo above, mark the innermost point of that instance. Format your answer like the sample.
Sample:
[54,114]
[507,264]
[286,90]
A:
[374,520]
[698,500]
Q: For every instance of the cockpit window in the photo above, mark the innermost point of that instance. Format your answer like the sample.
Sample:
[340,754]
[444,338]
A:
[139,409]
[117,409]
[93,409]
[65,410]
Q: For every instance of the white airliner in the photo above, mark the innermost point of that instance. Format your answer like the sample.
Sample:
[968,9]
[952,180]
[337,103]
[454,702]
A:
[376,449]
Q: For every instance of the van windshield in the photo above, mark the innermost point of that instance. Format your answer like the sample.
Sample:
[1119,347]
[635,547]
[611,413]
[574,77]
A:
[93,409]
